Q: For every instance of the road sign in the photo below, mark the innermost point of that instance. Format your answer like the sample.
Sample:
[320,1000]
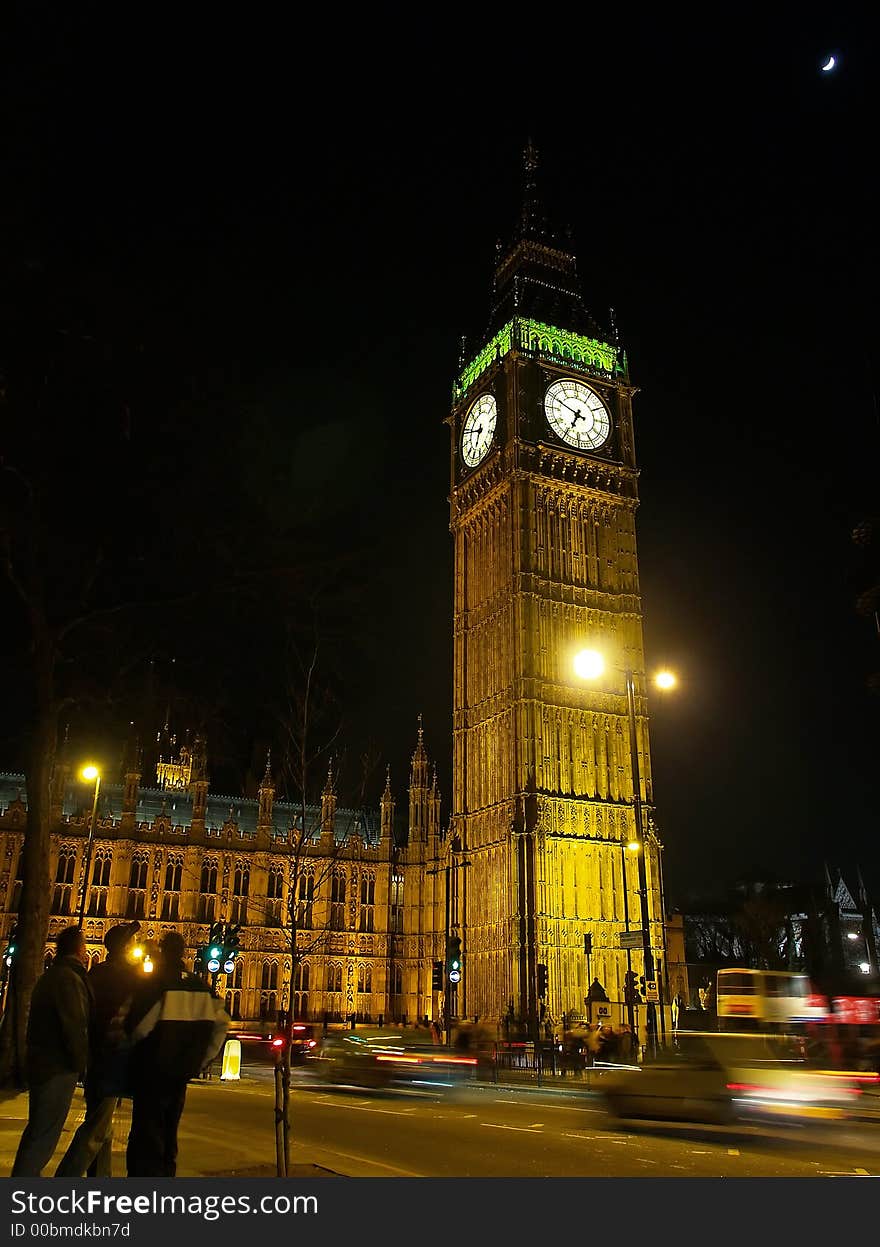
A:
[651,994]
[631,939]
[454,976]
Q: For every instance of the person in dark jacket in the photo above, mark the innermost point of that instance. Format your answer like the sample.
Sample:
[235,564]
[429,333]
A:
[57,1051]
[113,984]
[177,1026]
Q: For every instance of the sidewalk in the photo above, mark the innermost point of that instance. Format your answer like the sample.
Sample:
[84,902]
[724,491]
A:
[13,1118]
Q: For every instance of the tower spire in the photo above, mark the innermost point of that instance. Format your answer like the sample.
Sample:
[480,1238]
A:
[532,221]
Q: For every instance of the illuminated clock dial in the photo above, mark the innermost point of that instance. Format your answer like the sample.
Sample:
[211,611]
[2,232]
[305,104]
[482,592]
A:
[577,414]
[479,429]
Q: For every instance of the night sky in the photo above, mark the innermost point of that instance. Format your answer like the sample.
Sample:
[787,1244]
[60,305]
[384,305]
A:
[299,225]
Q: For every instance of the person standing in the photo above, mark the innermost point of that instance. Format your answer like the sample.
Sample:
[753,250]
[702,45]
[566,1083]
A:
[177,1026]
[113,984]
[57,1051]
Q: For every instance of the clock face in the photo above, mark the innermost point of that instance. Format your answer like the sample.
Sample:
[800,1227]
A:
[577,414]
[478,430]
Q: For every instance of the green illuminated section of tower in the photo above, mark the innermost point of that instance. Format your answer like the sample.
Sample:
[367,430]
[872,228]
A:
[560,345]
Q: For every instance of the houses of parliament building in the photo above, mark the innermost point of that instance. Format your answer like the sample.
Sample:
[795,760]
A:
[368,912]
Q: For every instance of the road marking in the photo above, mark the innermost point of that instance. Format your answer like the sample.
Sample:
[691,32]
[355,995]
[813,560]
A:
[360,1108]
[695,1152]
[365,1160]
[862,1171]
[491,1125]
[733,1151]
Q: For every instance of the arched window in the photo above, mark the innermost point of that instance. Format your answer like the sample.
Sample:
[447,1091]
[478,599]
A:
[365,979]
[171,896]
[137,886]
[208,890]
[17,885]
[397,980]
[274,896]
[334,977]
[305,898]
[337,901]
[64,880]
[100,884]
[269,977]
[368,896]
[240,886]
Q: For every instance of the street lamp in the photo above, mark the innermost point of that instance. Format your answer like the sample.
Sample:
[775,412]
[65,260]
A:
[589,664]
[633,847]
[89,773]
[456,852]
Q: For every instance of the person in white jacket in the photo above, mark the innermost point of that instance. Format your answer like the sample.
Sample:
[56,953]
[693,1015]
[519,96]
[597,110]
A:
[177,1026]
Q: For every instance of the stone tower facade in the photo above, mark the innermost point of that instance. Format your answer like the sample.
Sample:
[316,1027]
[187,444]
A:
[542,506]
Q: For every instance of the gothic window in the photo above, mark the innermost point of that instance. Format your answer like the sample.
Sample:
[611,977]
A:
[397,904]
[268,1006]
[368,896]
[304,901]
[334,977]
[208,890]
[233,1004]
[171,897]
[274,896]
[64,880]
[240,885]
[337,901]
[100,887]
[17,885]
[301,991]
[365,979]
[269,977]
[396,980]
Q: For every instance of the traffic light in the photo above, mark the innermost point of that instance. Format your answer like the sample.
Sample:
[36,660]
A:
[542,982]
[224,945]
[11,948]
[588,943]
[437,977]
[643,991]
[231,948]
[629,987]
[453,959]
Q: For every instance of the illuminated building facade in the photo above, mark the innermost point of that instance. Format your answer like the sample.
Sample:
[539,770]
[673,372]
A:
[543,501]
[178,857]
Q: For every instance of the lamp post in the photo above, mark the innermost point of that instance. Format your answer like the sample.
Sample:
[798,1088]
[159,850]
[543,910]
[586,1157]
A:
[89,773]
[589,664]
[455,849]
[630,1003]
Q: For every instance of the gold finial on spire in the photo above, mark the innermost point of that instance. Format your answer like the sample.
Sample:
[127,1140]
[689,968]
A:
[267,776]
[387,792]
[421,731]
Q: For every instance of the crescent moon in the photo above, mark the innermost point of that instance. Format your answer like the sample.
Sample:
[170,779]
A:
[829,65]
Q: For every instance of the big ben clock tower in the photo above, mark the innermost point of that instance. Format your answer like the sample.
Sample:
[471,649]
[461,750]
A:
[543,501]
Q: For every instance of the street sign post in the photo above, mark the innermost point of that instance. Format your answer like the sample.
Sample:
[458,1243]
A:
[630,939]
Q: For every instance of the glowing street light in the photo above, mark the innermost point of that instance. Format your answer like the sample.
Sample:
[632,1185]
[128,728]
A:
[90,774]
[588,664]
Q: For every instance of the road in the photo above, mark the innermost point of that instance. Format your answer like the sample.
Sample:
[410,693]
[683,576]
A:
[497,1132]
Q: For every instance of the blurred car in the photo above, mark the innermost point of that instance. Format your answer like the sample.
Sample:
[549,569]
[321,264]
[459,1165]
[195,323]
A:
[723,1077]
[379,1061]
[303,1041]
